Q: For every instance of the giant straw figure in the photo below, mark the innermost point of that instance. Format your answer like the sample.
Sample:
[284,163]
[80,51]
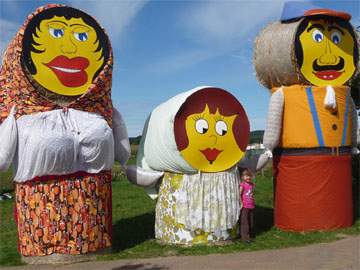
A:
[190,148]
[307,60]
[61,133]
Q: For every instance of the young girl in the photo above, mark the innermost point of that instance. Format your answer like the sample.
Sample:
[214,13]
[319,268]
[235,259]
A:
[246,191]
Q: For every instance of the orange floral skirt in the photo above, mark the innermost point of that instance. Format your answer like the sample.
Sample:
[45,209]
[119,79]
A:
[69,214]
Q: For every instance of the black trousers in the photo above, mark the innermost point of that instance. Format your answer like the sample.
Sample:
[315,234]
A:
[246,223]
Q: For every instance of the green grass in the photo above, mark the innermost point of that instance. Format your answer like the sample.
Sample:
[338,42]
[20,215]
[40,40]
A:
[6,184]
[134,233]
[133,227]
[8,235]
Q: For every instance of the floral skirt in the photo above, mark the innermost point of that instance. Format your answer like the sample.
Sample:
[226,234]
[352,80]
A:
[169,231]
[69,214]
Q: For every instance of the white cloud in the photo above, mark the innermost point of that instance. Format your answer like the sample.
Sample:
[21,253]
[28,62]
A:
[224,22]
[8,29]
[181,60]
[220,28]
[114,16]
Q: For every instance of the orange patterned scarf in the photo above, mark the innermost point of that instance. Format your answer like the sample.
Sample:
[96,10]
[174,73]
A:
[16,89]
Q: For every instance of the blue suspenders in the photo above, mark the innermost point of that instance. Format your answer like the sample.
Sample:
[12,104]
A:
[345,120]
[316,118]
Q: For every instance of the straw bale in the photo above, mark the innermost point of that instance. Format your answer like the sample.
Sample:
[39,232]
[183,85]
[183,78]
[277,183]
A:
[274,55]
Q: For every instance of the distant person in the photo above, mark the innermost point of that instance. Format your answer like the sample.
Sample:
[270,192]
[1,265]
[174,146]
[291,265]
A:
[247,200]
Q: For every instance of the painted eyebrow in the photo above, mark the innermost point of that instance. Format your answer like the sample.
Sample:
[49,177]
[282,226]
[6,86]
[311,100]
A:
[78,25]
[58,22]
[331,27]
[319,26]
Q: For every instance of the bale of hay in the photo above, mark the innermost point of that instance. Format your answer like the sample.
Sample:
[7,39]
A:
[275,59]
[274,55]
[57,258]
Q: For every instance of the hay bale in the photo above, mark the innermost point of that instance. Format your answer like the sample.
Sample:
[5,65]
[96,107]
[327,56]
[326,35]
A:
[274,55]
[57,258]
[275,59]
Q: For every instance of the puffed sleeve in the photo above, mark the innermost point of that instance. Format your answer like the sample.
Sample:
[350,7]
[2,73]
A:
[121,139]
[274,121]
[8,140]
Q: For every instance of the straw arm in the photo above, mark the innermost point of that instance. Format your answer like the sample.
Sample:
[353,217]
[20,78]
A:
[8,140]
[121,139]
[354,128]
[143,177]
[274,121]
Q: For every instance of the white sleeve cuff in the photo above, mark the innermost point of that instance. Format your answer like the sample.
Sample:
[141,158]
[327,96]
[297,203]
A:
[8,140]
[121,139]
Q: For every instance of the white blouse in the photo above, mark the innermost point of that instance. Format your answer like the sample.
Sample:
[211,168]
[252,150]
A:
[61,142]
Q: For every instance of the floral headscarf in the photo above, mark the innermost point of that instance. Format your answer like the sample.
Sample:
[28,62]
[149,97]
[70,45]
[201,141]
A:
[16,88]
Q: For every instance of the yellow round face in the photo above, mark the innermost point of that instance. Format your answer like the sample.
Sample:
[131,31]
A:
[328,53]
[67,56]
[212,146]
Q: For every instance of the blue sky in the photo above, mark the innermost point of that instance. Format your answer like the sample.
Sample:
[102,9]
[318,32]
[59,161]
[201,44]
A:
[163,48]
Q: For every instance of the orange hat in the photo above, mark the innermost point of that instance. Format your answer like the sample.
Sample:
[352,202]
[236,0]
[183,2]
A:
[297,10]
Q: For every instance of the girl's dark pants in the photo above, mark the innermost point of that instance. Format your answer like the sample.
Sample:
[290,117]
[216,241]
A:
[246,223]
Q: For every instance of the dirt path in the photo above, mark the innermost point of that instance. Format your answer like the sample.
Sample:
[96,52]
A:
[343,254]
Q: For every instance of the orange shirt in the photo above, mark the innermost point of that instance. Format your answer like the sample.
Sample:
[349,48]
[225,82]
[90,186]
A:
[306,121]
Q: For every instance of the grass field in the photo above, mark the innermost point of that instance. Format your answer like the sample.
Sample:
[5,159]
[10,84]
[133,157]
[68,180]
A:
[133,227]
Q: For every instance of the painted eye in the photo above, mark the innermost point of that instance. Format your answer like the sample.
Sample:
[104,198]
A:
[317,36]
[81,36]
[336,37]
[221,128]
[56,33]
[201,126]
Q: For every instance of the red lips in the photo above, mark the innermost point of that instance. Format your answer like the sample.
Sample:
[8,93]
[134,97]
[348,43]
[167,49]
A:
[210,154]
[328,74]
[70,72]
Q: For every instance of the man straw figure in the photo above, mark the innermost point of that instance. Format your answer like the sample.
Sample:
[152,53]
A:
[306,61]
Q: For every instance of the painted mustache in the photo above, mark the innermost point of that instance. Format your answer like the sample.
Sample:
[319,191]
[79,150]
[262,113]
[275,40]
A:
[338,66]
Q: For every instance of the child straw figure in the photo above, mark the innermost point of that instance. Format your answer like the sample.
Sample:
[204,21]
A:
[246,192]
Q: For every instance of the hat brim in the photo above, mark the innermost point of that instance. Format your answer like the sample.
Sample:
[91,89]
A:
[328,12]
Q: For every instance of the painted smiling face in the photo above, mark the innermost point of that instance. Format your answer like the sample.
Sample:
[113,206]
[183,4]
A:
[65,53]
[215,141]
[212,146]
[327,52]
